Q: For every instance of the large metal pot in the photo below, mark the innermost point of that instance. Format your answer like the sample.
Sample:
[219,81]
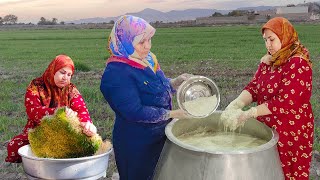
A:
[180,161]
[84,168]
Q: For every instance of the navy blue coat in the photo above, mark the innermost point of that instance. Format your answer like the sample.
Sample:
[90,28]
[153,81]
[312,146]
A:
[141,100]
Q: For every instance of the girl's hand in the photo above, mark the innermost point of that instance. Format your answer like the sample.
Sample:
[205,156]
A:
[88,128]
[70,113]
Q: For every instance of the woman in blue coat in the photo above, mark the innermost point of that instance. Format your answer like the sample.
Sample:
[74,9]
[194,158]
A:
[140,95]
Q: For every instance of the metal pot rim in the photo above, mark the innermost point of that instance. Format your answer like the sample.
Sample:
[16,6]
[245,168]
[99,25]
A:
[27,147]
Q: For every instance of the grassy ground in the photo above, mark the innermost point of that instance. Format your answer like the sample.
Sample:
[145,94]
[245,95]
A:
[229,55]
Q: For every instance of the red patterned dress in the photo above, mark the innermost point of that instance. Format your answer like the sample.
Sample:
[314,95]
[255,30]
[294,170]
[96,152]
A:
[286,90]
[36,108]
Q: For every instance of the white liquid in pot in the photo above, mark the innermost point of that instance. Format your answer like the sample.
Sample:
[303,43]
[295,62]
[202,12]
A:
[221,141]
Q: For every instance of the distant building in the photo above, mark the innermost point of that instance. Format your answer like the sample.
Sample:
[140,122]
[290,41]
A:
[292,10]
[292,13]
[267,12]
[315,17]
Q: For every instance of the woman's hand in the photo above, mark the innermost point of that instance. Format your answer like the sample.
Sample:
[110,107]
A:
[245,98]
[179,114]
[88,128]
[233,118]
[235,104]
[176,82]
[266,59]
[70,113]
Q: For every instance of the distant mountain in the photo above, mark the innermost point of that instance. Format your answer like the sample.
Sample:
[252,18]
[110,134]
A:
[93,20]
[152,15]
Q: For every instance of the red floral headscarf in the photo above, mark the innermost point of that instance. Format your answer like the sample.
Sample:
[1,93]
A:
[290,44]
[51,95]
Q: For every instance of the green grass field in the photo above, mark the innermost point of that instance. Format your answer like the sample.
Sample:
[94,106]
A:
[227,54]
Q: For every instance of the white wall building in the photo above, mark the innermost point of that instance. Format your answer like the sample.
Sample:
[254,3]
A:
[289,10]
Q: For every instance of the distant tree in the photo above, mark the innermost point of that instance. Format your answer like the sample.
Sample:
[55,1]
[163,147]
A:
[156,24]
[10,19]
[291,5]
[237,13]
[62,22]
[217,14]
[54,21]
[111,22]
[42,21]
[314,8]
[1,20]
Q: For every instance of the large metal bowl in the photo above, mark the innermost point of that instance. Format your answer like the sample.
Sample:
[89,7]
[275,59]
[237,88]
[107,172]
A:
[88,168]
[198,87]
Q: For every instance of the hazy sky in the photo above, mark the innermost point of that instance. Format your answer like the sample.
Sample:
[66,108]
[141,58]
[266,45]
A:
[66,10]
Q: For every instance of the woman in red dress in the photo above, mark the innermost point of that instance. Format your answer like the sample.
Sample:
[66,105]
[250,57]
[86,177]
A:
[282,89]
[47,93]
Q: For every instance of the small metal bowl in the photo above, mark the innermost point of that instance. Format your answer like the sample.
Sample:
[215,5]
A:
[199,96]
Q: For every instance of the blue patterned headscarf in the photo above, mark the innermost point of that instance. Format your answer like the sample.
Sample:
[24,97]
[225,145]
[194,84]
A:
[126,33]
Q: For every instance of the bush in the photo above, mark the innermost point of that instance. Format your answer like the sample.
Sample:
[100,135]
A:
[81,67]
